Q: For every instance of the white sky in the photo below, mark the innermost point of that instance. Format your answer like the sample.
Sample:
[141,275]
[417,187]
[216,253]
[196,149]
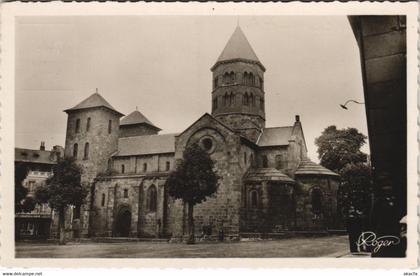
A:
[162,65]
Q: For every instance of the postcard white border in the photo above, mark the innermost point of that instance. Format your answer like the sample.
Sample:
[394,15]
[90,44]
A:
[10,10]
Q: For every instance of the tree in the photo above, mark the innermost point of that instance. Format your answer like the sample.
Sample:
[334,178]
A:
[193,181]
[63,189]
[339,147]
[21,171]
[339,151]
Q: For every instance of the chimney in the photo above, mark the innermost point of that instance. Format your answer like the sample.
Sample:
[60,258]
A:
[297,118]
[42,147]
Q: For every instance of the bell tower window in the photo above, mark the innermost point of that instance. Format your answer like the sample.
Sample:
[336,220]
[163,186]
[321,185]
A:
[215,83]
[109,126]
[75,150]
[77,130]
[245,99]
[88,124]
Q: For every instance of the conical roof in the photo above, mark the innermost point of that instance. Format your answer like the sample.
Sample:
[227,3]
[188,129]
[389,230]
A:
[238,47]
[268,174]
[134,118]
[94,100]
[307,167]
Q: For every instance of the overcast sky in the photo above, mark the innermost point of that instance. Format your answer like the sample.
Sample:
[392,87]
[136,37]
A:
[162,65]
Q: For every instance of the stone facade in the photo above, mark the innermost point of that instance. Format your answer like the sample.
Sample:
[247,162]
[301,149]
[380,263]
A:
[265,185]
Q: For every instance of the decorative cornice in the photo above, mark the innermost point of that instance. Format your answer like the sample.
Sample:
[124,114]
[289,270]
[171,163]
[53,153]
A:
[238,60]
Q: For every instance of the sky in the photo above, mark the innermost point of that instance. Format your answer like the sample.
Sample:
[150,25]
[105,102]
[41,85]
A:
[161,65]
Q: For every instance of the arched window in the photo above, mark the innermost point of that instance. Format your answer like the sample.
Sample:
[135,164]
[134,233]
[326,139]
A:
[225,99]
[77,130]
[215,82]
[232,77]
[88,124]
[245,157]
[262,103]
[253,199]
[103,200]
[151,201]
[125,193]
[226,78]
[75,150]
[251,79]
[145,167]
[86,152]
[122,168]
[261,83]
[316,201]
[245,78]
[109,164]
[264,161]
[252,99]
[232,99]
[109,126]
[246,99]
[215,102]
[168,165]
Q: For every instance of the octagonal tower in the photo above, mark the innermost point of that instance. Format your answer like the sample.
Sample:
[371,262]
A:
[238,87]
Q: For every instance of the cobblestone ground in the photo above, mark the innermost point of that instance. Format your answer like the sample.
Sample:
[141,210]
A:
[335,246]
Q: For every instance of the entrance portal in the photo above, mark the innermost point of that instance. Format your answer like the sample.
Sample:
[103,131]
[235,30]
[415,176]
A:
[123,223]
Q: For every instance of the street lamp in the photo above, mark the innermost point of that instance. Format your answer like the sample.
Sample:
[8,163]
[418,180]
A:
[344,106]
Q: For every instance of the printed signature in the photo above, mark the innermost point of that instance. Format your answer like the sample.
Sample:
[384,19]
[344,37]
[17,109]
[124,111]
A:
[370,239]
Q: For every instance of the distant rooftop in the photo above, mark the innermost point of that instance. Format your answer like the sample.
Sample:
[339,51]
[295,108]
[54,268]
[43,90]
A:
[34,156]
[94,100]
[134,118]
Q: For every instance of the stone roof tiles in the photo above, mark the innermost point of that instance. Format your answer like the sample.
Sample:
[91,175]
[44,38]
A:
[94,100]
[307,167]
[275,136]
[147,144]
[134,118]
[238,47]
[268,174]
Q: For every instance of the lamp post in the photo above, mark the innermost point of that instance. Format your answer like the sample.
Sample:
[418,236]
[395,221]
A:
[344,106]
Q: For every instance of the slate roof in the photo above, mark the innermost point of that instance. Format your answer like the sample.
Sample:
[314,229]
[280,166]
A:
[134,118]
[148,144]
[307,167]
[238,47]
[34,156]
[275,136]
[268,174]
[94,100]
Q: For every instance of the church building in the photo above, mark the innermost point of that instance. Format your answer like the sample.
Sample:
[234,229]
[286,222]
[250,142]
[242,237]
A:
[267,186]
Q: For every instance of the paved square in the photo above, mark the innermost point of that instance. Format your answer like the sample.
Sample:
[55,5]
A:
[335,246]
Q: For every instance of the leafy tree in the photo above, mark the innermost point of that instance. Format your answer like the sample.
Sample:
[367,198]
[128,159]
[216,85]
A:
[21,171]
[339,147]
[193,181]
[356,188]
[339,151]
[63,189]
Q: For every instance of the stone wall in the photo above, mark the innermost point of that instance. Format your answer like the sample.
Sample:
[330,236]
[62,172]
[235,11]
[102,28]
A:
[101,145]
[137,130]
[221,211]
[137,164]
[306,217]
[144,222]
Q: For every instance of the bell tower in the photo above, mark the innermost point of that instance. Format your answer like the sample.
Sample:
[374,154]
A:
[238,87]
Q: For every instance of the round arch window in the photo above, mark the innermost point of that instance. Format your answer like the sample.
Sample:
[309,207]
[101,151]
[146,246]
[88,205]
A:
[207,144]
